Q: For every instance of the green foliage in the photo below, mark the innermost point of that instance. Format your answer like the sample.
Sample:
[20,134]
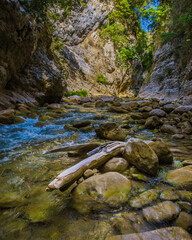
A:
[102,79]
[123,23]
[82,93]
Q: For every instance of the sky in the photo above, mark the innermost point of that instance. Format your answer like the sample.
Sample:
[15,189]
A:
[146,22]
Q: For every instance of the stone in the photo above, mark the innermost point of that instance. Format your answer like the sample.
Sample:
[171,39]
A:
[181,178]
[110,131]
[144,198]
[130,222]
[185,195]
[170,233]
[186,127]
[7,116]
[157,112]
[11,200]
[168,107]
[178,136]
[88,173]
[54,106]
[145,109]
[19,119]
[115,165]
[45,118]
[187,162]
[166,128]
[117,109]
[101,191]
[162,151]
[183,109]
[140,155]
[100,103]
[185,206]
[169,195]
[130,105]
[153,122]
[185,221]
[81,124]
[162,212]
[137,116]
[99,117]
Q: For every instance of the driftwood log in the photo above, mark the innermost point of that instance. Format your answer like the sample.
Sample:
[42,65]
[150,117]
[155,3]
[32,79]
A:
[98,157]
[77,147]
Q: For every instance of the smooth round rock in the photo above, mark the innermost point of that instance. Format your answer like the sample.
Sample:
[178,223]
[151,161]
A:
[101,191]
[115,165]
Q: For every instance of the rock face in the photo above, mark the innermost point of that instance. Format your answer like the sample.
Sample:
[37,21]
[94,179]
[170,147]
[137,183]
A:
[110,131]
[101,191]
[181,177]
[141,156]
[170,233]
[171,76]
[87,54]
[22,50]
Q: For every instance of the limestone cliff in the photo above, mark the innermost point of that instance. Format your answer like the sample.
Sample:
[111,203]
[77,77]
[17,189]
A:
[86,53]
[171,76]
[28,72]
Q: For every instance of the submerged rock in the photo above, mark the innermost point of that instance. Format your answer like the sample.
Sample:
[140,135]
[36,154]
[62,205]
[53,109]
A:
[81,124]
[110,131]
[170,233]
[141,156]
[101,191]
[181,177]
[11,199]
[144,198]
[162,212]
[132,222]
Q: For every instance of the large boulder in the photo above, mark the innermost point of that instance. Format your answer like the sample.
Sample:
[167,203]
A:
[181,177]
[152,122]
[170,233]
[101,191]
[115,165]
[162,212]
[139,154]
[7,116]
[162,151]
[110,131]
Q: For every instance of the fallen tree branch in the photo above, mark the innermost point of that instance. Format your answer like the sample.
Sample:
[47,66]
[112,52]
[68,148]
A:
[77,147]
[70,175]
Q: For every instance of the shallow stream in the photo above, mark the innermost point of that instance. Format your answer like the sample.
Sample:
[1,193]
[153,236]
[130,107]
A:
[28,211]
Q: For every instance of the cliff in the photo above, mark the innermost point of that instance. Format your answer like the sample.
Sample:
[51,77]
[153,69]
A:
[28,73]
